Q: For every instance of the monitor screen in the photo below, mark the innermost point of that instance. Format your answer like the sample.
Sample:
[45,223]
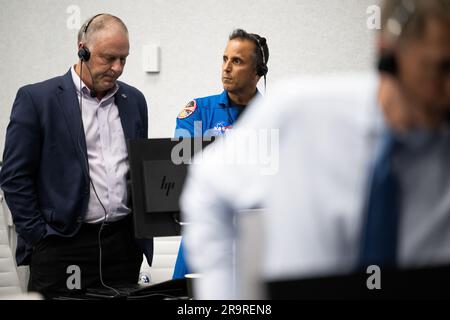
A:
[158,168]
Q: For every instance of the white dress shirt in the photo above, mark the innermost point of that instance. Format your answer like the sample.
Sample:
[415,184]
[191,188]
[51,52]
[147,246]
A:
[107,155]
[329,132]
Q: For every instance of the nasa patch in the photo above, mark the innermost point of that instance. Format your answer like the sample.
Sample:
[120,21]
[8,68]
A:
[188,110]
[221,127]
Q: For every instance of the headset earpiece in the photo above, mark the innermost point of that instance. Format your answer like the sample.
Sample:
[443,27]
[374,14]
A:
[387,63]
[261,70]
[262,42]
[84,54]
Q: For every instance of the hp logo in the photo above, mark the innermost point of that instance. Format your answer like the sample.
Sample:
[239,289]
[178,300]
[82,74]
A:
[167,186]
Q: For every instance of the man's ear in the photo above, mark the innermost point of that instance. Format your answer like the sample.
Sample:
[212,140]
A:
[383,45]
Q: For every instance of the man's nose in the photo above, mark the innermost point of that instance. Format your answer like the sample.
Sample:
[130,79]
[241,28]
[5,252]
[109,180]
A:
[118,65]
[227,66]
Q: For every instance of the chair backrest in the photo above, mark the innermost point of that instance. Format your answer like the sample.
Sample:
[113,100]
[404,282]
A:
[9,279]
[249,254]
[164,257]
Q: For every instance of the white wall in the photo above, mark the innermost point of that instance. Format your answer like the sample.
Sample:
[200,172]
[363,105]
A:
[304,36]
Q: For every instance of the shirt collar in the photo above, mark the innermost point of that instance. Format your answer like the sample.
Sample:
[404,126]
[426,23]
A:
[223,99]
[86,90]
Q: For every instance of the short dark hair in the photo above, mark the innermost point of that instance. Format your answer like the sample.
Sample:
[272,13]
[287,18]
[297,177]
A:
[410,16]
[260,45]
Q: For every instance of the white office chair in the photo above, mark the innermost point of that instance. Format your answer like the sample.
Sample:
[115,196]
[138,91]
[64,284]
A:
[11,286]
[249,254]
[9,279]
[164,257]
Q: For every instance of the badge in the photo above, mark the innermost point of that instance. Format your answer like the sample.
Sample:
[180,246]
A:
[188,110]
[221,128]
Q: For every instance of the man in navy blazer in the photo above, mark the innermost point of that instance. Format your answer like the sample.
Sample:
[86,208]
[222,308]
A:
[65,170]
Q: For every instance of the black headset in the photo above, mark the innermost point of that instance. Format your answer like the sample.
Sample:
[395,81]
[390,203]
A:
[387,63]
[261,68]
[84,54]
[402,14]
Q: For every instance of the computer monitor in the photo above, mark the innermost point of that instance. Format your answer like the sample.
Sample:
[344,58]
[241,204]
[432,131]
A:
[410,283]
[158,168]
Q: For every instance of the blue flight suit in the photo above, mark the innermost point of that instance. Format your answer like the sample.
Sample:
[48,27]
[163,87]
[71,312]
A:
[214,115]
[208,116]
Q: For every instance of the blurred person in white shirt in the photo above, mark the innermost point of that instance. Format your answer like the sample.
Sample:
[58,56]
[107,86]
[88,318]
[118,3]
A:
[330,130]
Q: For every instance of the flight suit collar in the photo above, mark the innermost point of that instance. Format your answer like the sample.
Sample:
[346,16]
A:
[225,101]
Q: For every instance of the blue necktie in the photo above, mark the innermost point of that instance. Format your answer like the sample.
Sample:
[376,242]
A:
[379,236]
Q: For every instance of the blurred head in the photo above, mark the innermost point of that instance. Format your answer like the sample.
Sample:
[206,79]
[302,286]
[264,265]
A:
[244,62]
[106,38]
[417,34]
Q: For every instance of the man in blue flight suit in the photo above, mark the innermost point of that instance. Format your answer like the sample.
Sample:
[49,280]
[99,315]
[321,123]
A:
[244,63]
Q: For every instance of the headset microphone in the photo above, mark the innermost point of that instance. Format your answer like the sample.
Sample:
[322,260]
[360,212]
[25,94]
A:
[84,56]
[93,92]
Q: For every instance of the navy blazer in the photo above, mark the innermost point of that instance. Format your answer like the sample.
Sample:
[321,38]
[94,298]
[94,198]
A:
[44,175]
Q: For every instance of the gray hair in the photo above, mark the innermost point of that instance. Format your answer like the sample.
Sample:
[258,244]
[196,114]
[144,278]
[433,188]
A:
[97,23]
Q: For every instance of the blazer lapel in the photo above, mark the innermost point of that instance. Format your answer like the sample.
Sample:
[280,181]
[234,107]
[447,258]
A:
[68,100]
[125,114]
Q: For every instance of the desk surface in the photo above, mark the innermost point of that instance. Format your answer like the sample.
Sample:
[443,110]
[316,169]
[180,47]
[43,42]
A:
[172,289]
